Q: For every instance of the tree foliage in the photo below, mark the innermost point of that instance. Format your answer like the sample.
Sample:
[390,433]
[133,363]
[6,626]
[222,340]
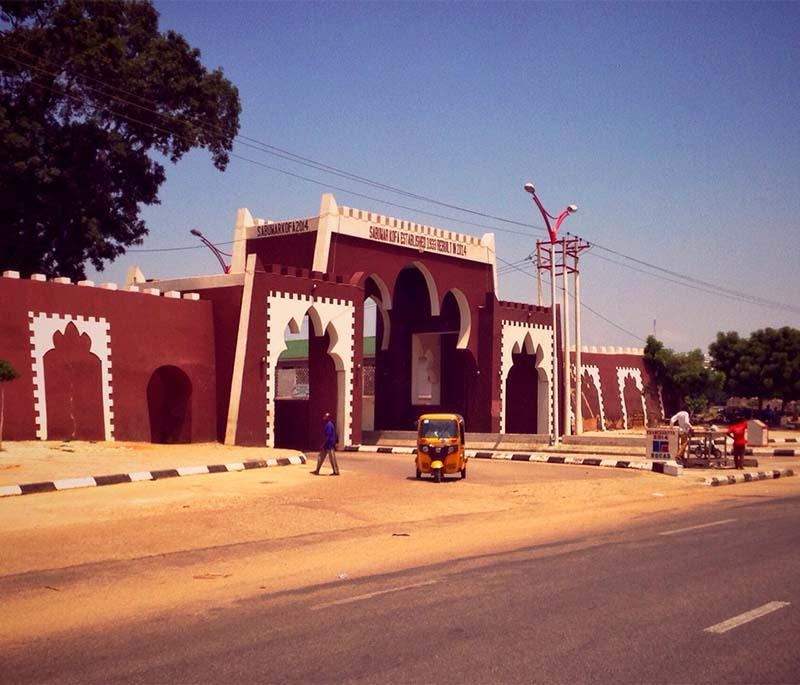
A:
[766,365]
[88,91]
[684,377]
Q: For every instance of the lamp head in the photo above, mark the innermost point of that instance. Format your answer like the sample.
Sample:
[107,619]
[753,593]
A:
[572,208]
[194,231]
[529,188]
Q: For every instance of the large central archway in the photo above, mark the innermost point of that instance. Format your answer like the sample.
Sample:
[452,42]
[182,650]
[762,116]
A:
[421,361]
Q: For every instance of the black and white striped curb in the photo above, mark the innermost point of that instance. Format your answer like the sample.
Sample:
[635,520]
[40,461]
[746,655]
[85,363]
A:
[778,452]
[669,469]
[749,477]
[779,440]
[114,479]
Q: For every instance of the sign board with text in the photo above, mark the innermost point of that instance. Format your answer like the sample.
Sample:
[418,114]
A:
[662,443]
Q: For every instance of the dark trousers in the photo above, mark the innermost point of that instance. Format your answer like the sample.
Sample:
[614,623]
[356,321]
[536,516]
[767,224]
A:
[738,456]
[330,453]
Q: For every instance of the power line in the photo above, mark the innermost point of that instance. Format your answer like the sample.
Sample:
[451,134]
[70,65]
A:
[512,267]
[699,284]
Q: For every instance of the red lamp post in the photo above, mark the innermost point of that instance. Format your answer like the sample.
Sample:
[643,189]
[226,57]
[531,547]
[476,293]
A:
[217,253]
[552,229]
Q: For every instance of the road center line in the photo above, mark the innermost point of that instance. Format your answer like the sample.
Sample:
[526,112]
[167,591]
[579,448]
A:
[370,595]
[746,617]
[702,525]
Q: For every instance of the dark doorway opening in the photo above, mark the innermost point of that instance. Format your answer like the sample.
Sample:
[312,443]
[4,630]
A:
[169,395]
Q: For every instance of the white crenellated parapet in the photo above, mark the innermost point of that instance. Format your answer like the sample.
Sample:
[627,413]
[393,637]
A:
[331,315]
[38,277]
[636,351]
[11,274]
[152,291]
[43,327]
[63,280]
[86,284]
[191,296]
[172,295]
[108,286]
[535,339]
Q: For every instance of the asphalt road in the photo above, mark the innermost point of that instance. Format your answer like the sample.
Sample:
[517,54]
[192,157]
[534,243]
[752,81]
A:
[635,605]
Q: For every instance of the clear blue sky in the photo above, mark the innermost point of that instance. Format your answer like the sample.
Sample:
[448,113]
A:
[674,127]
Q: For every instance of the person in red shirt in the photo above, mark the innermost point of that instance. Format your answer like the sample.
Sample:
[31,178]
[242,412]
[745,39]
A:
[738,431]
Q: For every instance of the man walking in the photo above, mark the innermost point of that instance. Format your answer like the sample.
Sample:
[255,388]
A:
[328,448]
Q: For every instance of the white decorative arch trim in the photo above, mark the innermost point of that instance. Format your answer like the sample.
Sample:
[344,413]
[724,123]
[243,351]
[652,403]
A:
[335,316]
[464,318]
[433,291]
[386,297]
[43,327]
[622,373]
[516,335]
[387,324]
[594,373]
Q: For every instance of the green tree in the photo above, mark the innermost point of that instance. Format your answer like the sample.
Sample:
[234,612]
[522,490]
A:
[684,377]
[88,91]
[7,373]
[765,366]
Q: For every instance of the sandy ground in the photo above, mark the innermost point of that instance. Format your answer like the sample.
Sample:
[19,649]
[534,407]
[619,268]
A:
[83,559]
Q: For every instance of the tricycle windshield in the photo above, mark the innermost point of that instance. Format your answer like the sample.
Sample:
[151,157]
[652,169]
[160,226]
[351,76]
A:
[438,428]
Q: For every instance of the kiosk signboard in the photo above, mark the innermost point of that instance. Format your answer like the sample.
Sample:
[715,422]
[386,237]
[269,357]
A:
[662,443]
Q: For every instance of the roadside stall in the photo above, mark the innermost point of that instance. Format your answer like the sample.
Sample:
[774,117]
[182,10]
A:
[707,447]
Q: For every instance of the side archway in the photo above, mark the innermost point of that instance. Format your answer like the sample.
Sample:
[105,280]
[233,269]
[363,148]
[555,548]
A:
[169,394]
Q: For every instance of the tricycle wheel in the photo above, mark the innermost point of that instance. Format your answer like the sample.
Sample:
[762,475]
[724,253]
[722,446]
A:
[717,454]
[699,451]
[437,475]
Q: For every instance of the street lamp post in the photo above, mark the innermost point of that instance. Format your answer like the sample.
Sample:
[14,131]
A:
[217,253]
[552,230]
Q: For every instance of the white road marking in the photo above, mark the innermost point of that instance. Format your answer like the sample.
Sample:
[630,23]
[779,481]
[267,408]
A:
[370,595]
[746,617]
[698,527]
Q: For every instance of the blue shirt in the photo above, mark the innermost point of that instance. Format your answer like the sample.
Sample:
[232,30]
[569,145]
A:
[330,435]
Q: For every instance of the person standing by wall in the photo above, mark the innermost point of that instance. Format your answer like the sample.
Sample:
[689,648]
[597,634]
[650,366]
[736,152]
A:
[738,431]
[328,448]
[684,430]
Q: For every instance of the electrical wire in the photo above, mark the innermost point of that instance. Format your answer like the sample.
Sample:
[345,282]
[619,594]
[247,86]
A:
[691,282]
[546,279]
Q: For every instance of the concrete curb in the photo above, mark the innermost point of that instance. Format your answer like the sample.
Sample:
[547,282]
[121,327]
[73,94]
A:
[96,481]
[667,468]
[749,477]
[780,440]
[779,452]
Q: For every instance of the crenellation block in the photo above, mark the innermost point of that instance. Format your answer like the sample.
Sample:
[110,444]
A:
[191,296]
[11,274]
[86,284]
[63,280]
[38,277]
[152,291]
[172,295]
[108,286]
[132,288]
